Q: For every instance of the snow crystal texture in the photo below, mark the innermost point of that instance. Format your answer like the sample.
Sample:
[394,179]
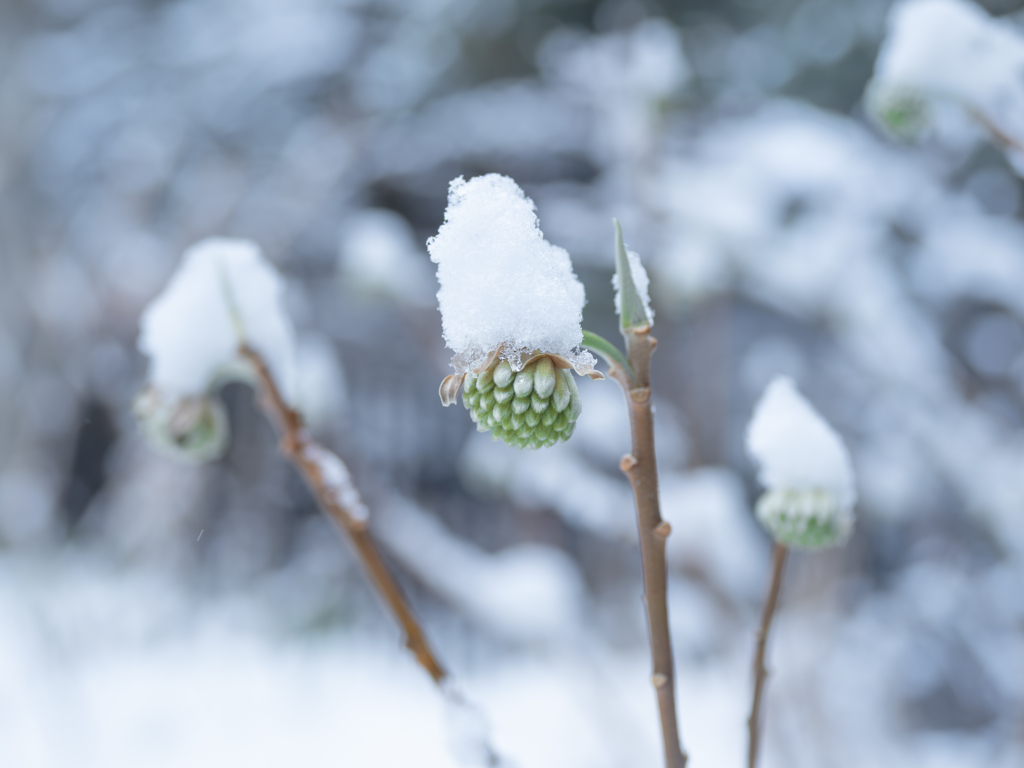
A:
[502,284]
[795,448]
[223,293]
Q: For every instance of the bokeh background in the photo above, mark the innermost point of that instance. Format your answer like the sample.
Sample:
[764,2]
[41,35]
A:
[162,615]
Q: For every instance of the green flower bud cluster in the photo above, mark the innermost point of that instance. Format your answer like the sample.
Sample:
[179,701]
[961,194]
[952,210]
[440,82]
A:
[534,408]
[806,519]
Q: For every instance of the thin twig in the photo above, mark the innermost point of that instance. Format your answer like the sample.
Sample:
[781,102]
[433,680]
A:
[328,479]
[779,553]
[998,134]
[641,468]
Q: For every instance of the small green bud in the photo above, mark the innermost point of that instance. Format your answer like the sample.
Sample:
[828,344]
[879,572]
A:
[562,394]
[524,380]
[485,381]
[521,405]
[544,378]
[503,375]
[501,395]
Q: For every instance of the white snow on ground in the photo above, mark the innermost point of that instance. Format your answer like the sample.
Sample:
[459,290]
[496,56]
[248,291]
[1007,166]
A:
[109,668]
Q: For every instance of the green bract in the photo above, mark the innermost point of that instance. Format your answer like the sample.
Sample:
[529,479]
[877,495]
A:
[534,408]
[806,519]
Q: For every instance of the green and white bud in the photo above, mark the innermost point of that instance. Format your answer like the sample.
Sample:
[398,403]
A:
[193,430]
[805,519]
[805,468]
[534,408]
[903,113]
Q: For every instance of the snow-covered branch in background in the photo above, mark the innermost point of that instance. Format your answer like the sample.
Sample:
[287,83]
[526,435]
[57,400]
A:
[805,468]
[511,312]
[948,68]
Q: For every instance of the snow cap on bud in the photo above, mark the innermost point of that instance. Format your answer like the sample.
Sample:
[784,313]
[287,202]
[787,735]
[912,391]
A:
[193,430]
[805,468]
[504,288]
[224,294]
[511,310]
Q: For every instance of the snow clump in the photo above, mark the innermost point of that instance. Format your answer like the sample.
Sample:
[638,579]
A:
[805,469]
[504,288]
[223,294]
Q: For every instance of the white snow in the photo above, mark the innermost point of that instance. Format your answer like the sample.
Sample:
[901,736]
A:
[952,52]
[469,737]
[529,593]
[640,280]
[795,448]
[336,479]
[224,293]
[502,284]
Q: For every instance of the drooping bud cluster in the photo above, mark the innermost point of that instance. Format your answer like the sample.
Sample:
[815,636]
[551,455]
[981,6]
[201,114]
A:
[806,519]
[534,408]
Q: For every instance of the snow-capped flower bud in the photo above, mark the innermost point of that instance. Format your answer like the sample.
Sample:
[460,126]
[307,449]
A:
[511,310]
[190,429]
[805,469]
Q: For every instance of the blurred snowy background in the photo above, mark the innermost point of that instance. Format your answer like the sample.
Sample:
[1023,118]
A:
[159,615]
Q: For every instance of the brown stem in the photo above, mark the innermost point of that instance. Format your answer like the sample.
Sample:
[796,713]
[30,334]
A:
[779,553]
[998,134]
[328,479]
[642,469]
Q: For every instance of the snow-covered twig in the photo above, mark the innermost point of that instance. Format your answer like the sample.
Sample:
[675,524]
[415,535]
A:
[328,479]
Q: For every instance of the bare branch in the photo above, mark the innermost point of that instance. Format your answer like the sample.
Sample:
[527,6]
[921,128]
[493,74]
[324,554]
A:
[329,481]
[779,553]
[640,466]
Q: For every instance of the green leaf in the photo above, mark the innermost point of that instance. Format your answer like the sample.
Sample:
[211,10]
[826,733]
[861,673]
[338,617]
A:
[607,351]
[631,312]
